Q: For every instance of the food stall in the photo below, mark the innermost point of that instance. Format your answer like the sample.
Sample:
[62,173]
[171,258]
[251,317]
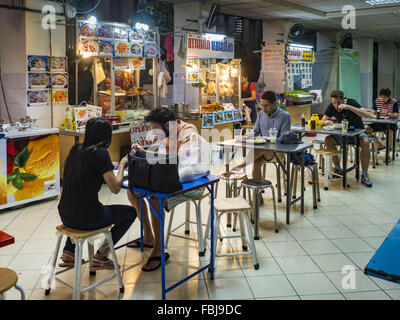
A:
[212,69]
[122,55]
[29,164]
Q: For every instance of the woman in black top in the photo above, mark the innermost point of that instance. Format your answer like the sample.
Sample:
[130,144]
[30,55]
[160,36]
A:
[88,165]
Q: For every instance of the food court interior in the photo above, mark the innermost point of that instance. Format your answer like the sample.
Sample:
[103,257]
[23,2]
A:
[302,50]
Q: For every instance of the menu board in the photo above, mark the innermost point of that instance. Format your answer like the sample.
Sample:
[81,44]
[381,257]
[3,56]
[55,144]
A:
[299,66]
[273,66]
[47,80]
[119,40]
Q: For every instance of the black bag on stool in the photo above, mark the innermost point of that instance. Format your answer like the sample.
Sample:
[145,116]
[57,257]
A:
[158,177]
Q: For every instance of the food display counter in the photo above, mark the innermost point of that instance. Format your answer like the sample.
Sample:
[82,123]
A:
[30,165]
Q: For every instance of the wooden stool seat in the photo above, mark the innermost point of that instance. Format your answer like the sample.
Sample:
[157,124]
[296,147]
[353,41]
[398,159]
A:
[8,279]
[231,204]
[232,176]
[80,234]
[328,152]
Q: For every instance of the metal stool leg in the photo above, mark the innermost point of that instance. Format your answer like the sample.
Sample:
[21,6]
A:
[91,254]
[171,217]
[78,270]
[21,291]
[251,241]
[317,182]
[327,162]
[278,178]
[114,258]
[53,264]
[216,233]
[242,232]
[187,217]
[275,217]
[314,185]
[373,154]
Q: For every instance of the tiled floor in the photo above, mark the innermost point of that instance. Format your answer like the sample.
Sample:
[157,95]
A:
[303,261]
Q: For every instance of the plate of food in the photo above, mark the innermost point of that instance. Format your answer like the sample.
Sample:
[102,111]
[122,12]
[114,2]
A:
[89,46]
[135,35]
[122,49]
[105,31]
[38,63]
[59,80]
[38,80]
[136,49]
[150,51]
[337,125]
[38,97]
[106,48]
[257,140]
[328,128]
[149,36]
[88,30]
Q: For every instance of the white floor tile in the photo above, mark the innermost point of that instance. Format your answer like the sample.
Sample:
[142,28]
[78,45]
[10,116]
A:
[332,296]
[337,232]
[268,267]
[370,295]
[285,249]
[229,289]
[319,247]
[300,264]
[369,230]
[311,284]
[352,245]
[5,260]
[374,242]
[332,262]
[306,234]
[385,284]
[394,294]
[362,282]
[351,220]
[270,286]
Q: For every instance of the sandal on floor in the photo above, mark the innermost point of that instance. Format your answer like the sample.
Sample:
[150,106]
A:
[68,259]
[158,258]
[100,264]
[136,244]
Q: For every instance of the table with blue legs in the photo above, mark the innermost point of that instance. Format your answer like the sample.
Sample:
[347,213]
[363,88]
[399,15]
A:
[208,182]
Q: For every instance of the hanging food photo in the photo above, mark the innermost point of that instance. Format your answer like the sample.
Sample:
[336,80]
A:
[105,32]
[122,49]
[88,46]
[106,48]
[136,49]
[150,51]
[38,63]
[37,98]
[121,32]
[58,64]
[38,80]
[135,35]
[149,36]
[87,30]
[59,80]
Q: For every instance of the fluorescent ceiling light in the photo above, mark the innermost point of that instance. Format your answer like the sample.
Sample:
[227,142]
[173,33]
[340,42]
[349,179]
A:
[381,2]
[303,46]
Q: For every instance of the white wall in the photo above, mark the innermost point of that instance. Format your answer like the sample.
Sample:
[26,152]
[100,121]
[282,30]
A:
[183,11]
[38,43]
[324,40]
[365,47]
[386,64]
[13,64]
[272,30]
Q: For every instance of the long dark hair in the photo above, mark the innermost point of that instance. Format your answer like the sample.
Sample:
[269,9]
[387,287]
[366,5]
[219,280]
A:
[98,134]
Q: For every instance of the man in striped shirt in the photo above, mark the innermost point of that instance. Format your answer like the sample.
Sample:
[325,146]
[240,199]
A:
[389,109]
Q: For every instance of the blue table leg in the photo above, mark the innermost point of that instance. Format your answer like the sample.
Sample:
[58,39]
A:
[162,248]
[212,234]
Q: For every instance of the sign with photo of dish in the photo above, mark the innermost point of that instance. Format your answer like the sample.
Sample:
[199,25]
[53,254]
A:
[59,80]
[38,63]
[60,97]
[149,37]
[137,63]
[204,63]
[136,49]
[38,98]
[121,63]
[207,120]
[58,64]
[135,35]
[122,49]
[38,80]
[237,115]
[228,116]
[87,30]
[106,48]
[219,117]
[88,46]
[192,77]
[150,51]
[121,32]
[105,31]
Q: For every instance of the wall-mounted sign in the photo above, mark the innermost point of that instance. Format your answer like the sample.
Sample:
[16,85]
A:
[206,46]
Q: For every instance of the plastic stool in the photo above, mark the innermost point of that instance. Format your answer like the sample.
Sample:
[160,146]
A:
[315,182]
[79,237]
[257,185]
[8,280]
[327,157]
[198,222]
[243,209]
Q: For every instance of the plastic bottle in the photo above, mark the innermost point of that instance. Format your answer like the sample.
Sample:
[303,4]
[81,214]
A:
[303,121]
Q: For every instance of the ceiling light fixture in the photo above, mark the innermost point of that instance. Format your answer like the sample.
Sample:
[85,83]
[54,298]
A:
[381,2]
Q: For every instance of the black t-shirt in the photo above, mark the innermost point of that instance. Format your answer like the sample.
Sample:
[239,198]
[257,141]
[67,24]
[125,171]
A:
[83,207]
[354,120]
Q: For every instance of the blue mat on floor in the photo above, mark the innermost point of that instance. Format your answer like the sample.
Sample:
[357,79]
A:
[385,264]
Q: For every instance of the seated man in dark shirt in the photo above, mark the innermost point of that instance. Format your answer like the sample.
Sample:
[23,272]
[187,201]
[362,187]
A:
[339,109]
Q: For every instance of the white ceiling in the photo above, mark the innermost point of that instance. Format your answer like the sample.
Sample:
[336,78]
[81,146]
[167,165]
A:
[379,22]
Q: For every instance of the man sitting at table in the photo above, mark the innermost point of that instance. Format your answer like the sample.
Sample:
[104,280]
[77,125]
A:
[270,117]
[163,120]
[342,108]
[389,109]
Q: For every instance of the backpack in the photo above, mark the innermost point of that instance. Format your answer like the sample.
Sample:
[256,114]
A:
[308,159]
